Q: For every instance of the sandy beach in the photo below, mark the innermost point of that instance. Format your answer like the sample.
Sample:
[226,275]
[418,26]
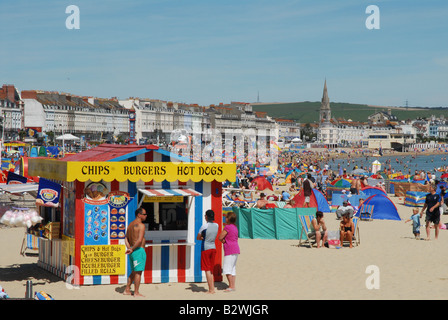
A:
[278,269]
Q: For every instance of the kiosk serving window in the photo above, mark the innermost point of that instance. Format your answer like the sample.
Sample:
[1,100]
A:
[166,215]
[167,210]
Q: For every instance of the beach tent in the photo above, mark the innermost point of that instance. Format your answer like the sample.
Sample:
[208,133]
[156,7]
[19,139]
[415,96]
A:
[322,203]
[317,200]
[262,183]
[370,191]
[384,208]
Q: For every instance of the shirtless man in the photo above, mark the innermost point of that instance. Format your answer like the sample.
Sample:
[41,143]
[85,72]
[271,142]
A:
[135,247]
[363,182]
[261,203]
[354,187]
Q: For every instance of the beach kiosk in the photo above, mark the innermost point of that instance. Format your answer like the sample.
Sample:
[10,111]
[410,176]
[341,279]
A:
[101,189]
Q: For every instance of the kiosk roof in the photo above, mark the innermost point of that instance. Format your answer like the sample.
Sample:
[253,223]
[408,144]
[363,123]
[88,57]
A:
[108,152]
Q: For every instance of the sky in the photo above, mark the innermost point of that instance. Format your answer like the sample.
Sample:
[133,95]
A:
[208,52]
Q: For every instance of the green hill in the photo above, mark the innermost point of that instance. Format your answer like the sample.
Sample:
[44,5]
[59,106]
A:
[308,112]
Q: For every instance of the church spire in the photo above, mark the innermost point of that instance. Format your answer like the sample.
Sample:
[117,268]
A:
[325,99]
[325,111]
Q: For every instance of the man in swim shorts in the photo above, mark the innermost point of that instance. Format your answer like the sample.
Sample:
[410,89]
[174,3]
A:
[135,244]
[432,204]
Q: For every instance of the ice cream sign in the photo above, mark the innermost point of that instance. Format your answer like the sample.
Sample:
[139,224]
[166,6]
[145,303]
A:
[48,193]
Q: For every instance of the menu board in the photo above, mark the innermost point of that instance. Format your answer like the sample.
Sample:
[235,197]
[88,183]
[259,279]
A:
[118,204]
[103,260]
[96,222]
[105,215]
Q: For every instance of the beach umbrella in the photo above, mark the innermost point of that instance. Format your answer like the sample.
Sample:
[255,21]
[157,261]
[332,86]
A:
[341,183]
[262,183]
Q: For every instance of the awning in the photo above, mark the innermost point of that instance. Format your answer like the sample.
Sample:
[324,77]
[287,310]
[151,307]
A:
[19,188]
[169,192]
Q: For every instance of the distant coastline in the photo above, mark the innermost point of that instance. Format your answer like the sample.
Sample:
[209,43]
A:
[308,111]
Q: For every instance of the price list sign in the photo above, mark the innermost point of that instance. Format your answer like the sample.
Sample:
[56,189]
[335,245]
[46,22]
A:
[118,202]
[103,260]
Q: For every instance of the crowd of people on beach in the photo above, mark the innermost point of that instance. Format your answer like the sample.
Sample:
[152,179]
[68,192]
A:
[320,168]
[298,172]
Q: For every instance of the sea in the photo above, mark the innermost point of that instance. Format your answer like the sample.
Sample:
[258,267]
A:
[406,163]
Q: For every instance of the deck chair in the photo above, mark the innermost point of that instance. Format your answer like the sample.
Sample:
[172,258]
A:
[248,203]
[356,240]
[227,201]
[280,204]
[305,221]
[29,242]
[366,212]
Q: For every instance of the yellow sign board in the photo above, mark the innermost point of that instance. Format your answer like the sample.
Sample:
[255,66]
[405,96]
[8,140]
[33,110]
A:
[131,171]
[164,199]
[103,260]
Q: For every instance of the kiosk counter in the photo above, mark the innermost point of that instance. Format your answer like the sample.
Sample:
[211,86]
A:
[102,188]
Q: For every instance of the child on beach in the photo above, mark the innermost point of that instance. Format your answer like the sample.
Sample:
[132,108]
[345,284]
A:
[415,218]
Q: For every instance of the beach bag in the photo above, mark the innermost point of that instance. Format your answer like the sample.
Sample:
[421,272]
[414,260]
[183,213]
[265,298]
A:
[333,238]
[335,242]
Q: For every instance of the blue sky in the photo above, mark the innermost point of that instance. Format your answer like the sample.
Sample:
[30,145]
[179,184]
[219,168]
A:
[207,51]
